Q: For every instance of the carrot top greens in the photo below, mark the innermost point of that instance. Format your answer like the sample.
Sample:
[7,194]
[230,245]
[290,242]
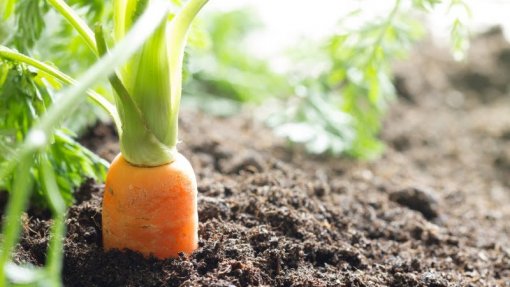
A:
[148,88]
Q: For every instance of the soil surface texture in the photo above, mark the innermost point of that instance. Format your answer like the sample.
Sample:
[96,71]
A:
[433,211]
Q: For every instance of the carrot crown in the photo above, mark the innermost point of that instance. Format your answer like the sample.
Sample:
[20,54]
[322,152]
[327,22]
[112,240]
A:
[148,87]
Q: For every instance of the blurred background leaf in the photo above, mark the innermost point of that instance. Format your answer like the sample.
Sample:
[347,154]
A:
[24,94]
[332,93]
[222,75]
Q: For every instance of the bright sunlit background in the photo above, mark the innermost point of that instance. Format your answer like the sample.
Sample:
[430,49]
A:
[286,21]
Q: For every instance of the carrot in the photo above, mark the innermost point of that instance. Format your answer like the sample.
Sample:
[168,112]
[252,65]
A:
[152,210]
[150,197]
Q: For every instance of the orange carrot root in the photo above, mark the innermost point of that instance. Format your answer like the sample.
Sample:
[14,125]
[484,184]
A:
[152,210]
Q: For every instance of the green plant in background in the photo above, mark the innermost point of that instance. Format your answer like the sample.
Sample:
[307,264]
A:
[340,107]
[223,74]
[459,31]
[336,97]
[354,86]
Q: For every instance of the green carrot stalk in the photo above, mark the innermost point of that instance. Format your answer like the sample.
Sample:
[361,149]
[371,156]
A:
[153,83]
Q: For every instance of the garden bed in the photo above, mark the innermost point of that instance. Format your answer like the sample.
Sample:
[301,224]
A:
[432,211]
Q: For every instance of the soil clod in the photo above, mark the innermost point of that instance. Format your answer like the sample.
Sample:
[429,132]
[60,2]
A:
[420,199]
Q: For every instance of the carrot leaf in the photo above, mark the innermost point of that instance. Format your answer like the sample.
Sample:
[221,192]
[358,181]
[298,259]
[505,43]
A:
[28,98]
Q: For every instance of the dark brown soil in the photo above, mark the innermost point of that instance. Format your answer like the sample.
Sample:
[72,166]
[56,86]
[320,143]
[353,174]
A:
[433,211]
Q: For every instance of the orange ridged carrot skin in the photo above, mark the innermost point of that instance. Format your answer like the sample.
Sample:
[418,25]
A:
[152,210]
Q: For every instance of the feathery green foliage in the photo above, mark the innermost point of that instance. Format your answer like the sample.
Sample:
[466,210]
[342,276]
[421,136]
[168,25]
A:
[353,82]
[27,98]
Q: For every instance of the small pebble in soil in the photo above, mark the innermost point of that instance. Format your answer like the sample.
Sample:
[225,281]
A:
[211,207]
[505,135]
[247,161]
[502,160]
[420,199]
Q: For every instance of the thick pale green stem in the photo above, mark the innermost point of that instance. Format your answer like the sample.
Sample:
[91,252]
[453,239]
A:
[147,81]
[153,79]
[178,32]
[138,143]
[124,12]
